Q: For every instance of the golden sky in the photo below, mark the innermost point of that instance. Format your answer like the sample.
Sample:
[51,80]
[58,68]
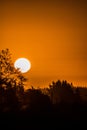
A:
[52,34]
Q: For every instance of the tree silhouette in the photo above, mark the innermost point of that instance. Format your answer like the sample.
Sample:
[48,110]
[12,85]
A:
[36,101]
[61,91]
[11,82]
[9,76]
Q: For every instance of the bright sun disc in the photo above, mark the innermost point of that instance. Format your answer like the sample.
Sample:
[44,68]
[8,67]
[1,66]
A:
[22,64]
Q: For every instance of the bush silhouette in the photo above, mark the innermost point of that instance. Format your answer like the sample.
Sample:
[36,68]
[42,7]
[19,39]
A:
[61,91]
[35,100]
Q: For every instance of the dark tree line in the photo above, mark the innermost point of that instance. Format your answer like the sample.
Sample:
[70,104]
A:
[13,96]
[61,99]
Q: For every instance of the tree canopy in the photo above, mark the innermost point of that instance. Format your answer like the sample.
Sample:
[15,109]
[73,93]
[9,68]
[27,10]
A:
[9,76]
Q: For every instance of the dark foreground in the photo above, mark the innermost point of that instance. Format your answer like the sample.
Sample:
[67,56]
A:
[59,106]
[65,116]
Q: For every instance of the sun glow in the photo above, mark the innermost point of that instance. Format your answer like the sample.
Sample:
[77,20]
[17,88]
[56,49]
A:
[22,64]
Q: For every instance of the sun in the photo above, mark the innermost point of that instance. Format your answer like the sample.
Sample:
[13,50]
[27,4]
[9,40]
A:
[22,64]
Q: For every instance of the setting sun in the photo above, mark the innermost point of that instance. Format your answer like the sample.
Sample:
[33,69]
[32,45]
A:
[23,64]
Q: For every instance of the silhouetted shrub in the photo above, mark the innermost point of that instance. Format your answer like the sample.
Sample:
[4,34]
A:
[35,100]
[61,92]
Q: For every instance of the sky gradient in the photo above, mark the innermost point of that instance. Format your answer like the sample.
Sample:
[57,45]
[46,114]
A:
[52,34]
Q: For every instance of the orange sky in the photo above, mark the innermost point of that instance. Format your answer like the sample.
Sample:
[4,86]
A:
[52,34]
